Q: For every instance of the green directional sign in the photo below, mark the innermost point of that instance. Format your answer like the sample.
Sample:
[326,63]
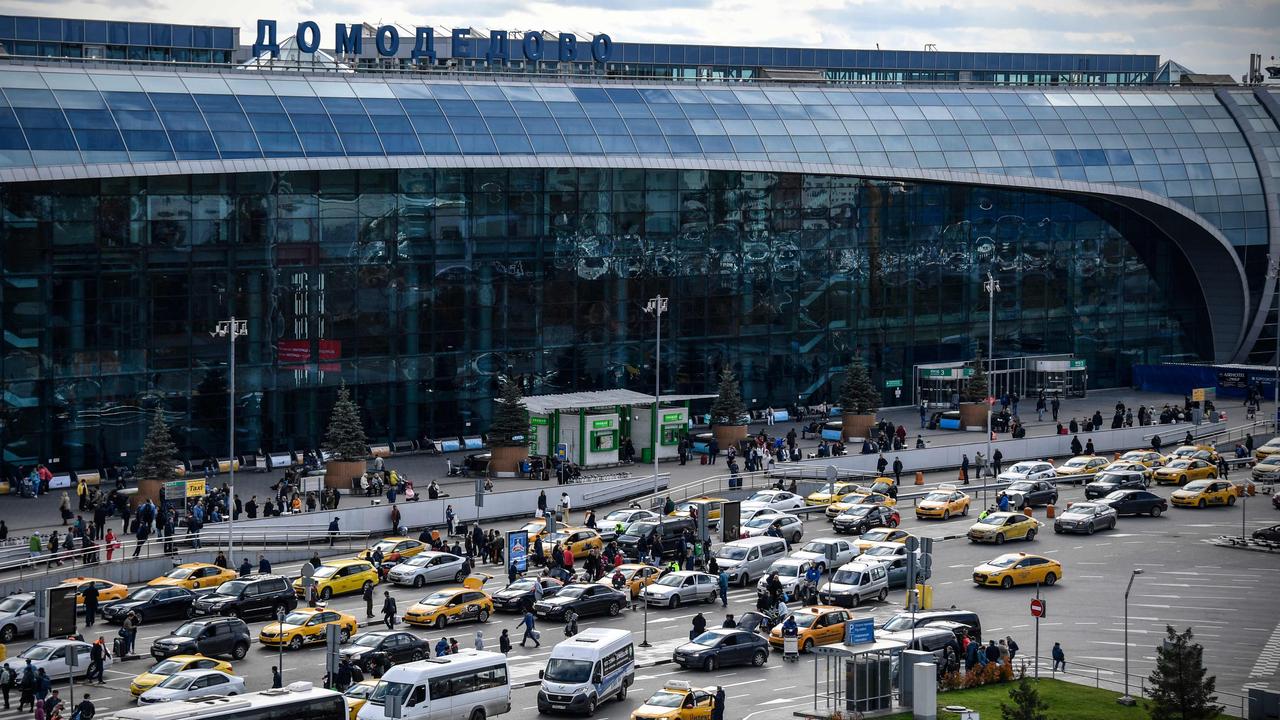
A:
[597,424]
[893,383]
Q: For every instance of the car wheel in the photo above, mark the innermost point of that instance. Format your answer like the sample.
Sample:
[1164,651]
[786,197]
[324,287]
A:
[1201,504]
[795,538]
[709,664]
[759,658]
[884,593]
[1007,582]
[675,602]
[591,706]
[1057,530]
[418,581]
[441,621]
[746,579]
[614,609]
[1031,534]
[483,616]
[344,635]
[1000,539]
[276,610]
[862,529]
[946,514]
[808,645]
[191,612]
[295,643]
[622,692]
[1155,511]
[326,593]
[1089,530]
[240,650]
[8,633]
[459,576]
[893,523]
[857,600]
[1050,579]
[965,510]
[478,714]
[1231,500]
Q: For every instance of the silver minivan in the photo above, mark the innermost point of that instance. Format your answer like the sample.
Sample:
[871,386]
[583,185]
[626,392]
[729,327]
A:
[749,558]
[854,583]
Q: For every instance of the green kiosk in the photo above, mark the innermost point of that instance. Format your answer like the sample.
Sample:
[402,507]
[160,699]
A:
[590,428]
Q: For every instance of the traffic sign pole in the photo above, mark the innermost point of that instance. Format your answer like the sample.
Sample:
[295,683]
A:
[1037,616]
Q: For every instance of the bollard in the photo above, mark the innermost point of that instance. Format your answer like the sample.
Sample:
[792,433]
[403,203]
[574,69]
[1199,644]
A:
[1115,456]
[1069,505]
[919,478]
[1048,511]
[1239,489]
[1027,511]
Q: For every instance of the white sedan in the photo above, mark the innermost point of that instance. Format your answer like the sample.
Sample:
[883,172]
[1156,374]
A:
[772,500]
[790,526]
[52,656]
[1028,470]
[192,684]
[428,567]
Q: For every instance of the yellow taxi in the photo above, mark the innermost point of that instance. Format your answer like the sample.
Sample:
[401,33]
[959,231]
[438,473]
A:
[337,577]
[579,541]
[1270,449]
[1182,470]
[1017,569]
[175,664]
[942,503]
[815,625]
[407,547]
[1150,458]
[828,493]
[1080,468]
[868,539]
[107,590]
[1202,452]
[536,529]
[1130,466]
[710,506]
[194,576]
[307,625]
[1000,526]
[1203,493]
[451,605]
[677,700]
[357,695]
[636,576]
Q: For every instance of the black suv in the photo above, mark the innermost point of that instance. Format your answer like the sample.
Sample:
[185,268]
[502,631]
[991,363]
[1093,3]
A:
[376,651]
[205,636]
[267,595]
[669,529]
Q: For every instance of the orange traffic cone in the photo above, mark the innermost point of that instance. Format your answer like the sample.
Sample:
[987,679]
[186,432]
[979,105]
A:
[1027,511]
[919,478]
[1049,511]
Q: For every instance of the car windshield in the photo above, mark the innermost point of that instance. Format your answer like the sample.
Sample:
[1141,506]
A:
[819,548]
[761,497]
[572,591]
[523,584]
[857,511]
[672,580]
[641,527]
[167,667]
[937,497]
[1197,485]
[787,570]
[437,598]
[878,535]
[882,551]
[1022,468]
[177,682]
[902,621]
[36,652]
[1003,561]
[298,618]
[1082,508]
[535,526]
[180,573]
[1021,486]
[13,604]
[665,698]
[830,489]
[1119,495]
[190,630]
[1179,464]
[419,560]
[730,552]
[367,640]
[763,521]
[234,587]
[145,593]
[563,670]
[1107,477]
[358,691]
[385,688]
[618,516]
[847,577]
[805,620]
[325,571]
[1081,462]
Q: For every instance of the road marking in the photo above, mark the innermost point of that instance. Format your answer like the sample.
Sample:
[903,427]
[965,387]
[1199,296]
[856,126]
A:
[1269,659]
[746,682]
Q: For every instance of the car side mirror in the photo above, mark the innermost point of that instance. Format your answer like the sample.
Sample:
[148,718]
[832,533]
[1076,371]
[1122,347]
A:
[541,673]
[596,679]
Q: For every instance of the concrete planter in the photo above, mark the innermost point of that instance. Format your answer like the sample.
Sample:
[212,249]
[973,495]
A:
[729,435]
[856,427]
[973,416]
[505,461]
[340,473]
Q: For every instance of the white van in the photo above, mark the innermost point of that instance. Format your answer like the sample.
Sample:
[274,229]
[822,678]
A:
[749,558]
[586,670]
[854,583]
[471,685]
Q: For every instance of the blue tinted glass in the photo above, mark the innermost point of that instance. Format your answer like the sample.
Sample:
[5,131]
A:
[144,140]
[512,144]
[386,123]
[314,143]
[459,108]
[50,139]
[225,121]
[95,120]
[361,143]
[504,126]
[401,143]
[431,125]
[220,103]
[590,95]
[609,127]
[234,142]
[171,101]
[477,144]
[532,109]
[715,143]
[276,143]
[99,140]
[548,144]
[746,143]
[342,106]
[583,144]
[651,144]
[270,122]
[301,104]
[183,121]
[617,144]
[683,144]
[672,126]
[194,146]
[576,127]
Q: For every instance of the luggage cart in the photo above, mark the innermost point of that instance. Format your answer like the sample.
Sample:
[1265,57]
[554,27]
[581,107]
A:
[790,648]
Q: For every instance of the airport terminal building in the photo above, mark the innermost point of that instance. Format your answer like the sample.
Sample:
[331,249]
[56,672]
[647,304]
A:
[417,226]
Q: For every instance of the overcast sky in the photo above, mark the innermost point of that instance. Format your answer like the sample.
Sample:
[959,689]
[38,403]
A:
[1209,36]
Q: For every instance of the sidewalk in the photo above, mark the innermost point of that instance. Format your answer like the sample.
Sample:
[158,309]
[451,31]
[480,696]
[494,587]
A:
[24,515]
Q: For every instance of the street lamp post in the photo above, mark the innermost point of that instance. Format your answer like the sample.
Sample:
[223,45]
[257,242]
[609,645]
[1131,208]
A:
[231,329]
[991,286]
[1127,699]
[655,307]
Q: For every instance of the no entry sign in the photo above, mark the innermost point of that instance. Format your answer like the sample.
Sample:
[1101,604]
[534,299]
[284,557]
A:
[1037,608]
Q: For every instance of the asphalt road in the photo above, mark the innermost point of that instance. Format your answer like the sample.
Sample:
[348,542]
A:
[1227,596]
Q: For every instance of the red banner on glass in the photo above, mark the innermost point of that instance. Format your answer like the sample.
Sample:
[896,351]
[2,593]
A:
[293,352]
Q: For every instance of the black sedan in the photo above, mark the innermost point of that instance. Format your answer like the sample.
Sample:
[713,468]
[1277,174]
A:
[1105,483]
[513,597]
[151,603]
[1271,534]
[1031,492]
[374,652]
[722,647]
[585,599]
[861,518]
[1136,502]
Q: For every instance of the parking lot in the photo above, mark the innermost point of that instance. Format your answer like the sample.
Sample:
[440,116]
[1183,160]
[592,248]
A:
[1226,595]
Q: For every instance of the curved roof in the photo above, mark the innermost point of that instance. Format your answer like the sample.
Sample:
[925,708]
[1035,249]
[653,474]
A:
[1188,159]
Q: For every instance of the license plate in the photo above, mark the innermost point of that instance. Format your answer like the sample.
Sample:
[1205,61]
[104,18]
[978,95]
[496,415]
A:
[559,707]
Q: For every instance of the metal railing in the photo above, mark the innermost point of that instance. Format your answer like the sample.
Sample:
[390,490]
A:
[1109,679]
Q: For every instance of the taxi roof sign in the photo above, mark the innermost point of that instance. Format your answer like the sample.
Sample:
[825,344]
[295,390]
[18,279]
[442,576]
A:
[678,685]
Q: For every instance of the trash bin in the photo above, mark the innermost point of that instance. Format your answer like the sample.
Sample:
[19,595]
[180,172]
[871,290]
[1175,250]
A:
[646,455]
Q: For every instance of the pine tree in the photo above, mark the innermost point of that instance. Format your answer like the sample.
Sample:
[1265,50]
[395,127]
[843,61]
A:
[510,426]
[857,395]
[1026,702]
[976,389]
[159,457]
[345,437]
[1179,688]
[727,408]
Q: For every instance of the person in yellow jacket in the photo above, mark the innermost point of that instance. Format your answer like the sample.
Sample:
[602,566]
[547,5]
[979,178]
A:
[82,492]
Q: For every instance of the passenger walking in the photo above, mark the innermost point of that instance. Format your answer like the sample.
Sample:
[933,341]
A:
[388,609]
[1059,658]
[530,633]
[367,595]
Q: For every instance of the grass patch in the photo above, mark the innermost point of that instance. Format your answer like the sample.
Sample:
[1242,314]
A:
[1067,701]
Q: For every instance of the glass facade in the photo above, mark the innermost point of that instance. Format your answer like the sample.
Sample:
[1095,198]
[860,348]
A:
[418,287]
